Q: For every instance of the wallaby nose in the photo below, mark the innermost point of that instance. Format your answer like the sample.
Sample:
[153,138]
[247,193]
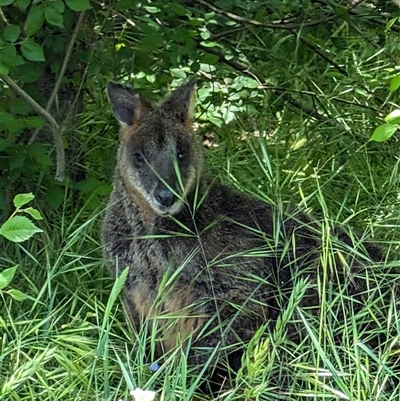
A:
[165,197]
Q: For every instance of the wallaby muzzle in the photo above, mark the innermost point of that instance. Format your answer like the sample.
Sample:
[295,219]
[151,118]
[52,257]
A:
[164,196]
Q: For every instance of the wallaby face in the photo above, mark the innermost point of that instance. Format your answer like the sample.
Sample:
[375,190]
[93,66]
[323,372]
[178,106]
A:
[159,157]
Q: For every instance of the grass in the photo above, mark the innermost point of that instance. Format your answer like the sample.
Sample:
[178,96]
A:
[72,341]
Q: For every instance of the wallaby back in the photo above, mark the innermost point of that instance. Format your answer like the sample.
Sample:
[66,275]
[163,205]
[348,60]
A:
[218,261]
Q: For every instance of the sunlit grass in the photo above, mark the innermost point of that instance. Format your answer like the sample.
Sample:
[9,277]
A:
[72,340]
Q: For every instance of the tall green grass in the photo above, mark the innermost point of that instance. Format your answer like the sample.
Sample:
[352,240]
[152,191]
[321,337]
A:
[71,340]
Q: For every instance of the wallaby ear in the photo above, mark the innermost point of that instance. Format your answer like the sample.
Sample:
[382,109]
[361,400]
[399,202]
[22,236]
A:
[181,102]
[125,105]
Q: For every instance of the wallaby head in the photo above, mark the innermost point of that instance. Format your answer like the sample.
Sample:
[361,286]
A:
[159,158]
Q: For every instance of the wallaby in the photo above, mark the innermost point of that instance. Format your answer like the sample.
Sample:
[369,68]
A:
[219,261]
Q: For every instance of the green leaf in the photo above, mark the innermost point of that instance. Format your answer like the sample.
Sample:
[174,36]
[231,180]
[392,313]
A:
[215,120]
[32,51]
[19,229]
[250,83]
[34,122]
[78,5]
[6,2]
[391,23]
[17,295]
[34,213]
[4,70]
[152,10]
[22,199]
[53,16]
[384,132]
[7,120]
[208,58]
[6,276]
[395,83]
[11,33]
[8,55]
[178,9]
[54,197]
[59,6]
[23,4]
[178,73]
[393,117]
[194,67]
[34,20]
[151,78]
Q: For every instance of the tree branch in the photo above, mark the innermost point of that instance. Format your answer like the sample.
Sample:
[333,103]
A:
[62,70]
[274,25]
[321,54]
[54,127]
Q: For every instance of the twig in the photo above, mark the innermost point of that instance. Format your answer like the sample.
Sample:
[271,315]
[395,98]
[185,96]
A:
[373,44]
[321,54]
[274,25]
[62,70]
[3,17]
[54,127]
[66,59]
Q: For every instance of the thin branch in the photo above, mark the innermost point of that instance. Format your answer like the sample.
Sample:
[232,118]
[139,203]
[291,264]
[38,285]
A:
[62,70]
[54,127]
[274,25]
[66,60]
[388,54]
[3,17]
[321,54]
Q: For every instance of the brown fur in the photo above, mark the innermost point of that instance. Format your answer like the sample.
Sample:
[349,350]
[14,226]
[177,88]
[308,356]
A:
[220,256]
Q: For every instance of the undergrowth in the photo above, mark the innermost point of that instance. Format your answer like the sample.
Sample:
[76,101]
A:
[71,339]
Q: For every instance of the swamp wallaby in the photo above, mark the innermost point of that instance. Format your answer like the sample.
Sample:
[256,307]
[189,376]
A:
[219,261]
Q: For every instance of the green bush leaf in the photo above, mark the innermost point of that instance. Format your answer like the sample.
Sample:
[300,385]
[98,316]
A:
[32,51]
[395,83]
[8,55]
[178,9]
[23,4]
[22,199]
[178,73]
[53,16]
[34,20]
[19,229]
[17,295]
[6,276]
[59,5]
[384,132]
[54,197]
[4,70]
[250,83]
[11,33]
[6,2]
[78,5]
[34,213]
[152,10]
[393,117]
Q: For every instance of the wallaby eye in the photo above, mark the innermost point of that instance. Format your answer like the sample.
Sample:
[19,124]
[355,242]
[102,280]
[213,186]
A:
[139,159]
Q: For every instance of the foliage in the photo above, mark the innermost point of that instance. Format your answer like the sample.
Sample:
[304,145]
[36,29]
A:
[385,131]
[18,229]
[298,103]
[318,72]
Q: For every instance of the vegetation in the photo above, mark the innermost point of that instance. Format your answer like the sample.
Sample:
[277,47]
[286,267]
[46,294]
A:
[298,103]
